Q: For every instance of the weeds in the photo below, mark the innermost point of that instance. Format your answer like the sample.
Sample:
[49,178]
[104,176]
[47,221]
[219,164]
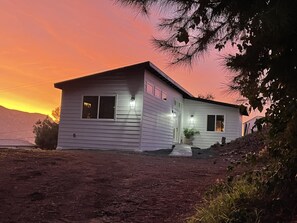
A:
[266,192]
[228,203]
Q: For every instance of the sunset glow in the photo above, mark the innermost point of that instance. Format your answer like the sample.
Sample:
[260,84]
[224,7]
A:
[43,42]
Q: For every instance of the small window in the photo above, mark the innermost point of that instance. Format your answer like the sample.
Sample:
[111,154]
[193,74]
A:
[164,96]
[177,104]
[211,122]
[220,123]
[216,123]
[157,93]
[107,107]
[149,88]
[90,107]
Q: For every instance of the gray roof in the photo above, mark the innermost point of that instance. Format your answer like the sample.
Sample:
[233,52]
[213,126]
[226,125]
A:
[157,72]
[145,65]
[213,102]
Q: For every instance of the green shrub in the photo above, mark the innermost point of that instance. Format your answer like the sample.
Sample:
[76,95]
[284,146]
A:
[229,203]
[189,133]
[46,134]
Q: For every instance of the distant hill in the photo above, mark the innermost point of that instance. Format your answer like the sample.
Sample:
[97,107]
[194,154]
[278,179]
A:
[17,124]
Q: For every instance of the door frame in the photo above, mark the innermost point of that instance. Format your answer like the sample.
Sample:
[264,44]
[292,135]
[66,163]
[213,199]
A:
[177,131]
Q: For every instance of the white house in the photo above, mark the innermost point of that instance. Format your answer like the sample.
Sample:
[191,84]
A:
[140,108]
[249,126]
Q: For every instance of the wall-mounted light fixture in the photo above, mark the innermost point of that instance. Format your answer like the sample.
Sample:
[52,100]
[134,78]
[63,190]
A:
[132,102]
[173,114]
[192,121]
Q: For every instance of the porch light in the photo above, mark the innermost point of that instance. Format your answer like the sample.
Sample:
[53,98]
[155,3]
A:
[192,121]
[132,102]
[173,114]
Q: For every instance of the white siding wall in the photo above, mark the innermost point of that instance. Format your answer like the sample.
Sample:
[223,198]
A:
[157,121]
[122,133]
[248,125]
[200,110]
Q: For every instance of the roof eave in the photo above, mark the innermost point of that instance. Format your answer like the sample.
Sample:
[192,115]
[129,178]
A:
[242,108]
[60,85]
[183,91]
[146,65]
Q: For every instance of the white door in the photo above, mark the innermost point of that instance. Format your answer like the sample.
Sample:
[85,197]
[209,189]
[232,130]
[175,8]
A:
[177,109]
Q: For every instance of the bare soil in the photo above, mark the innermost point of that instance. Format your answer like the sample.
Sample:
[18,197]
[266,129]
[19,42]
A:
[103,186]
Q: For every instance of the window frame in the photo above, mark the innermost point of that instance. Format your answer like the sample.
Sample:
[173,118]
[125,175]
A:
[115,106]
[153,88]
[100,119]
[82,107]
[215,123]
[164,98]
[177,104]
[158,89]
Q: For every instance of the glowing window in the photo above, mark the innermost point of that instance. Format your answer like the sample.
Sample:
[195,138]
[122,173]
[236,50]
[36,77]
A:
[90,107]
[220,123]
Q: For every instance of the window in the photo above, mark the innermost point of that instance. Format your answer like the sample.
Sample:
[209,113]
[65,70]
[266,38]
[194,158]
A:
[90,107]
[177,104]
[216,123]
[149,88]
[164,96]
[157,93]
[220,123]
[107,107]
[211,122]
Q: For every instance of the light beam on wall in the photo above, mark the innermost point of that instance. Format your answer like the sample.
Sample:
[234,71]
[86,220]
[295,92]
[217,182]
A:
[173,114]
[132,102]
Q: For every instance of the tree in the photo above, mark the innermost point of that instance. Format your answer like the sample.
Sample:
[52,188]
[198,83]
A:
[46,133]
[208,96]
[56,114]
[264,32]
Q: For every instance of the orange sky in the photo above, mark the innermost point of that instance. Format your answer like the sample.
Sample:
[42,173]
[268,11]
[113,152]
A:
[45,41]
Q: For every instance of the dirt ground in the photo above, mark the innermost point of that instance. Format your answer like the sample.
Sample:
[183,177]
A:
[102,186]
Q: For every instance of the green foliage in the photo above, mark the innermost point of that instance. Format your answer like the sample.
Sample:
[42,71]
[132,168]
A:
[265,70]
[228,203]
[208,96]
[263,193]
[56,113]
[263,32]
[46,134]
[189,133]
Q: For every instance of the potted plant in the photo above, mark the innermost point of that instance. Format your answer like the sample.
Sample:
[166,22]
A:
[189,135]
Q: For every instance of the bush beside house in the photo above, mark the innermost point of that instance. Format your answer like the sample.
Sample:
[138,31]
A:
[46,134]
